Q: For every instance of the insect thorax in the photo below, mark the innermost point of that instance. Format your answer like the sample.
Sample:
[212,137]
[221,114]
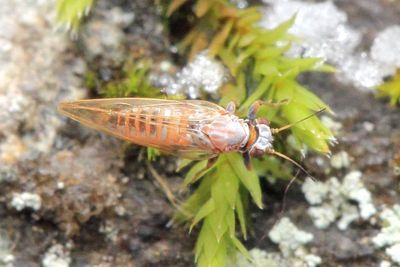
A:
[263,141]
[227,133]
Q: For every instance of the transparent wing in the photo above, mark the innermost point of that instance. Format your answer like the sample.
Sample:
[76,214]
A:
[173,126]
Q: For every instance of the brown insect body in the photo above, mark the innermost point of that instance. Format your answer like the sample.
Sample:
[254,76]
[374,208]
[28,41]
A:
[191,129]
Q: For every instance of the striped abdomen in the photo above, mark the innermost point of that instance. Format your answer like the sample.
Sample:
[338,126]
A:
[170,125]
[153,125]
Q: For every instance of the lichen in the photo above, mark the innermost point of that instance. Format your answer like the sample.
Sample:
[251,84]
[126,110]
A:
[386,46]
[333,200]
[25,200]
[56,256]
[260,258]
[292,243]
[340,160]
[202,74]
[389,235]
[6,256]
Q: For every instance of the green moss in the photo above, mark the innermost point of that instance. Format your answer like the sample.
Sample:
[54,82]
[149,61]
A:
[71,12]
[391,89]
[256,61]
[90,80]
[152,153]
[133,82]
[218,202]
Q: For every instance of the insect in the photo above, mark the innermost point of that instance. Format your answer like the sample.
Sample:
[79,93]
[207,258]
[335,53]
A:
[192,129]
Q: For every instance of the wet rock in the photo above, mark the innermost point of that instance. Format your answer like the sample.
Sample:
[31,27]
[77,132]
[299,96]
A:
[344,246]
[160,252]
[145,232]
[7,175]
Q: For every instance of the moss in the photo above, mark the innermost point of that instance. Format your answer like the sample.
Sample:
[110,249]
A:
[134,81]
[71,12]
[391,89]
[259,69]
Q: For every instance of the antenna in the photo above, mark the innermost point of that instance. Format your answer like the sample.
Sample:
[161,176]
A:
[277,130]
[294,178]
[273,152]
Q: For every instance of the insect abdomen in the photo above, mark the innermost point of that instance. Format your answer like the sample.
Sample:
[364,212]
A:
[155,125]
[173,126]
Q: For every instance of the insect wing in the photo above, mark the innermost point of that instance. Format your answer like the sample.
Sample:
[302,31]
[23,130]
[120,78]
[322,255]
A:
[172,126]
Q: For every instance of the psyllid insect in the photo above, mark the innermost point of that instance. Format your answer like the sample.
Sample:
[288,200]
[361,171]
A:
[192,129]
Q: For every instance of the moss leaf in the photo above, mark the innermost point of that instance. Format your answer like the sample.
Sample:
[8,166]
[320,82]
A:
[241,248]
[241,216]
[391,89]
[205,210]
[175,5]
[71,12]
[248,178]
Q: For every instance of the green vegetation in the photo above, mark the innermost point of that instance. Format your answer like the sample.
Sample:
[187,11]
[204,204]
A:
[133,82]
[71,12]
[391,89]
[260,71]
[256,61]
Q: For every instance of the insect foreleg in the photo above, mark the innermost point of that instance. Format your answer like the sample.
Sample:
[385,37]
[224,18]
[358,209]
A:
[256,105]
[164,92]
[247,160]
[231,107]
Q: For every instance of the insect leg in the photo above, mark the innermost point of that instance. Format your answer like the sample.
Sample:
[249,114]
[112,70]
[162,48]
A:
[231,107]
[247,160]
[164,92]
[163,185]
[256,105]
[251,115]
